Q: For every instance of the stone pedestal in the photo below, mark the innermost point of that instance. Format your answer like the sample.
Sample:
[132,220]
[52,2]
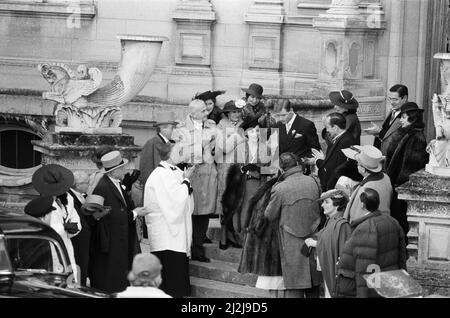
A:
[192,70]
[349,44]
[74,150]
[428,213]
[265,19]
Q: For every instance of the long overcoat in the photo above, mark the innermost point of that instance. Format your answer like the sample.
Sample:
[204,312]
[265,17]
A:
[114,240]
[293,204]
[199,146]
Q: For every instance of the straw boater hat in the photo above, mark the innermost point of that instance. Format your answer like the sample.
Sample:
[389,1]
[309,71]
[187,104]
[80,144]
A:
[344,99]
[113,160]
[40,206]
[367,156]
[93,204]
[52,180]
[255,90]
[165,118]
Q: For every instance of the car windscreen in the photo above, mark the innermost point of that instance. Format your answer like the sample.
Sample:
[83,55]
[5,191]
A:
[34,253]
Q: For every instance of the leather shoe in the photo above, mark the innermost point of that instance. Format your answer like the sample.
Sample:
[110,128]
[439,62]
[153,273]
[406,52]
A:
[203,259]
[223,246]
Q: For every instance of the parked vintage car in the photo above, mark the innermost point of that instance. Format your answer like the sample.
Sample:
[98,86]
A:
[34,261]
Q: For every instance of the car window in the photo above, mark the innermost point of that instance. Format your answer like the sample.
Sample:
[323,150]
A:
[32,253]
[4,263]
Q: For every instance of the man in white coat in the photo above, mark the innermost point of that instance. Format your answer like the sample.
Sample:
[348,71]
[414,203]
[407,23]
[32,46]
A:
[168,196]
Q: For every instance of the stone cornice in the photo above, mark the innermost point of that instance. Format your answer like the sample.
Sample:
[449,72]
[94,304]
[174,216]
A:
[87,10]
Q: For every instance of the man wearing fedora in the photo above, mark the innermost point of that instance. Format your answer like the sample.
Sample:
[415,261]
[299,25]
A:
[370,166]
[150,158]
[377,242]
[397,96]
[328,165]
[214,111]
[345,103]
[113,253]
[254,109]
[198,133]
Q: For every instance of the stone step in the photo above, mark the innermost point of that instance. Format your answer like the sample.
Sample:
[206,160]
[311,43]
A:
[205,288]
[221,271]
[230,255]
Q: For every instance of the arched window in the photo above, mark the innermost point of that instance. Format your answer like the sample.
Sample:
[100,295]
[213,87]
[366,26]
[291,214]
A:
[16,150]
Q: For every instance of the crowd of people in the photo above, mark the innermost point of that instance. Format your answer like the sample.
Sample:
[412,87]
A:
[302,217]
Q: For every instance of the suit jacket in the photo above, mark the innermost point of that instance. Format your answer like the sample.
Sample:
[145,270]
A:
[333,159]
[300,138]
[82,242]
[114,241]
[384,139]
[149,158]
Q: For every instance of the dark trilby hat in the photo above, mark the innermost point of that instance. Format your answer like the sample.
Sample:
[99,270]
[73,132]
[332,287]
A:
[208,95]
[410,107]
[343,99]
[254,89]
[165,118]
[40,206]
[230,106]
[52,180]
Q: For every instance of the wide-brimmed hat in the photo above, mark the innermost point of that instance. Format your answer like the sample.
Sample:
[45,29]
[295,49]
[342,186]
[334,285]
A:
[230,106]
[52,180]
[165,118]
[344,99]
[410,107]
[333,193]
[40,206]
[145,265]
[113,160]
[255,90]
[367,156]
[208,95]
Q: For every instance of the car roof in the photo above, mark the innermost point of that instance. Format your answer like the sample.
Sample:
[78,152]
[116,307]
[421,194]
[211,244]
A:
[18,223]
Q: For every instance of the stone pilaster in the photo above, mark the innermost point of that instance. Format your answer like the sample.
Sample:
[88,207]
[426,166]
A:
[429,235]
[349,47]
[192,70]
[265,19]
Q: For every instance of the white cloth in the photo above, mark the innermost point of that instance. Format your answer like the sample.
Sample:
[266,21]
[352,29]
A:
[164,138]
[270,282]
[289,123]
[142,292]
[169,222]
[56,220]
[118,186]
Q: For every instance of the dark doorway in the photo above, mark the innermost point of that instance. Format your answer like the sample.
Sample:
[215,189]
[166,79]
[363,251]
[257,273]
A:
[16,150]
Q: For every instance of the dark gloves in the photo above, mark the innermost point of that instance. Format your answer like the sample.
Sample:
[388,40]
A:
[128,179]
[251,167]
[71,227]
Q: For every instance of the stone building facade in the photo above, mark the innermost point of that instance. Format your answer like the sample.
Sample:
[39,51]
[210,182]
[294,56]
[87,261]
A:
[293,48]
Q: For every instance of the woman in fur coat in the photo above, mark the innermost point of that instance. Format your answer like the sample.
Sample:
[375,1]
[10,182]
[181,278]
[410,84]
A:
[406,155]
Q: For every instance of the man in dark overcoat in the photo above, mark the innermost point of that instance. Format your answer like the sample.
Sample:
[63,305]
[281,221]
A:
[114,235]
[335,124]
